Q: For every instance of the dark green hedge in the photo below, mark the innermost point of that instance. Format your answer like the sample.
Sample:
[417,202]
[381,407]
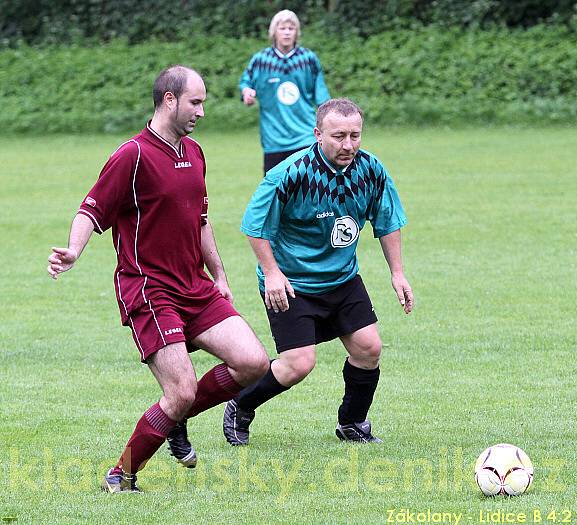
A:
[427,76]
[67,21]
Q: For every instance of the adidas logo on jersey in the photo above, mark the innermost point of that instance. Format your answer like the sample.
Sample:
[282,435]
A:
[325,214]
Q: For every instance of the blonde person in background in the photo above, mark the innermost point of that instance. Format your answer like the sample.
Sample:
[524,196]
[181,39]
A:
[287,80]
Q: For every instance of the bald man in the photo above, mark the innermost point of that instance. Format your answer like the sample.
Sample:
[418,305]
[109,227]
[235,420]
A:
[152,193]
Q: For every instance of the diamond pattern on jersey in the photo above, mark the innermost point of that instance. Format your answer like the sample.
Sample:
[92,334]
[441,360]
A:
[310,177]
[269,62]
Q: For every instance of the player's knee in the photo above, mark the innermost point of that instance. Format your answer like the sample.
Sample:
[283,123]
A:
[251,367]
[261,368]
[182,398]
[257,366]
[374,350]
[369,350]
[302,367]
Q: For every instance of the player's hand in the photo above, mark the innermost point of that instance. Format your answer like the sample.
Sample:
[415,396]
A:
[61,260]
[404,292]
[224,289]
[276,286]
[248,96]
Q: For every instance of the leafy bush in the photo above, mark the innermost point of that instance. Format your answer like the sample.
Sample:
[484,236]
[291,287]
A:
[68,21]
[424,76]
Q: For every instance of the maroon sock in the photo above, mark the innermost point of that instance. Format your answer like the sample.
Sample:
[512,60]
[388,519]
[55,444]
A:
[214,387]
[150,432]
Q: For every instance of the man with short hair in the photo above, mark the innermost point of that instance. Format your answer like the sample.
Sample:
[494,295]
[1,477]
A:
[288,81]
[152,193]
[303,223]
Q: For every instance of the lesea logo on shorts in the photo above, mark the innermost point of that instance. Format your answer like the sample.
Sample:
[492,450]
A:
[173,331]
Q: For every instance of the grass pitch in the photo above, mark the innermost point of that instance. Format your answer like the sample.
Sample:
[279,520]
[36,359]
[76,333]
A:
[487,356]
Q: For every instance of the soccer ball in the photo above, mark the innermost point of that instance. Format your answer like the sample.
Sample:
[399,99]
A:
[503,469]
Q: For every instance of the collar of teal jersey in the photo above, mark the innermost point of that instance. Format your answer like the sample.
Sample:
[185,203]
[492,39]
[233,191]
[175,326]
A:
[280,54]
[330,165]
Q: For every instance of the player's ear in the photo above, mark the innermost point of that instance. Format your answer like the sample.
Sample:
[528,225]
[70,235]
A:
[317,133]
[169,99]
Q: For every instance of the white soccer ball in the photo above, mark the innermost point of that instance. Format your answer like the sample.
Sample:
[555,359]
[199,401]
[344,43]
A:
[503,469]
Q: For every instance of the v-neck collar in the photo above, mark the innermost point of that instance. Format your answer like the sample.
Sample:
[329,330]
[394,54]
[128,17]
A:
[178,151]
[280,54]
[329,165]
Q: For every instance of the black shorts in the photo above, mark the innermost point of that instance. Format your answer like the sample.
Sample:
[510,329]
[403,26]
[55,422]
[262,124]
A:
[272,159]
[317,318]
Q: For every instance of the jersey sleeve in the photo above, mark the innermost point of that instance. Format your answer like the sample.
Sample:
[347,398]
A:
[262,215]
[321,90]
[386,213]
[248,78]
[112,192]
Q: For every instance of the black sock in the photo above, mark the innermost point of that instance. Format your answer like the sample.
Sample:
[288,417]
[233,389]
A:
[260,392]
[360,386]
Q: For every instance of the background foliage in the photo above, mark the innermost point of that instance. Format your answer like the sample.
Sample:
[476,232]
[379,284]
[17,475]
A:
[65,21]
[426,75]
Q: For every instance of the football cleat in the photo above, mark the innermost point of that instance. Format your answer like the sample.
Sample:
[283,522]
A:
[119,482]
[236,422]
[180,447]
[357,432]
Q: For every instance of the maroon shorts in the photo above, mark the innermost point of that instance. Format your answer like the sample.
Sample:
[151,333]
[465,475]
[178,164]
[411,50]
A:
[163,321]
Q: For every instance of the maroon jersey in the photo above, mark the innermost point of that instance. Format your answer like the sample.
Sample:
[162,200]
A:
[153,195]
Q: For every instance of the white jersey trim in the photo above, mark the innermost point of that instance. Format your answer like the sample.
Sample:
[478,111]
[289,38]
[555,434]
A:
[136,242]
[84,212]
[157,325]
[118,276]
[178,152]
[196,142]
[137,210]
[136,337]
[137,223]
[280,54]
[123,144]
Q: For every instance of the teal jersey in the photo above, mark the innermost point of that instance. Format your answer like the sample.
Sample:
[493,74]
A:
[312,214]
[288,88]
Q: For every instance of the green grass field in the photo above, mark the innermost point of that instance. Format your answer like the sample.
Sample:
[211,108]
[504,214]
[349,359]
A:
[487,356]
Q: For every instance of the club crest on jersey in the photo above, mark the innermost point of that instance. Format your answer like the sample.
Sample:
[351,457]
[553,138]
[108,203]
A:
[345,232]
[184,164]
[288,93]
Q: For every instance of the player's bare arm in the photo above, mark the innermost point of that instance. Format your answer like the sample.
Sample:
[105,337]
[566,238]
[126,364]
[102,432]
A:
[213,262]
[275,282]
[62,259]
[391,245]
